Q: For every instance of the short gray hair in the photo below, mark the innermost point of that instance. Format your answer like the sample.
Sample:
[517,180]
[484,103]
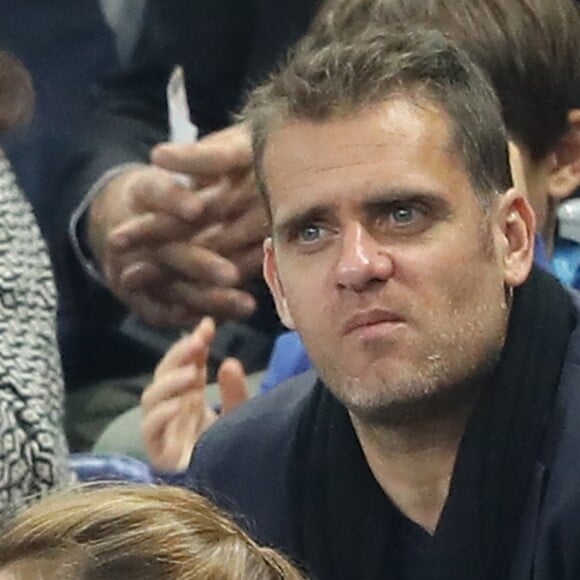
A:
[338,78]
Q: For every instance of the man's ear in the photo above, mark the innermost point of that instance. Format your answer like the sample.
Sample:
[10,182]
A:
[564,171]
[517,229]
[270,271]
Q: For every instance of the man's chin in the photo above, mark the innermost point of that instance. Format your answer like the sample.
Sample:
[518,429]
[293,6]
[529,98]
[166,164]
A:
[407,406]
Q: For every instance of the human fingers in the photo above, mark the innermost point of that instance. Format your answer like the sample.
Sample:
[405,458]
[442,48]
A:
[150,275]
[238,195]
[170,384]
[187,348]
[249,262]
[180,260]
[206,417]
[221,303]
[183,303]
[146,230]
[163,298]
[235,235]
[217,154]
[196,352]
[236,229]
[232,383]
[243,193]
[169,432]
[247,255]
[108,209]
[129,195]
[157,190]
[132,277]
[156,312]
[198,263]
[178,355]
[155,225]
[247,258]
[195,418]
[161,449]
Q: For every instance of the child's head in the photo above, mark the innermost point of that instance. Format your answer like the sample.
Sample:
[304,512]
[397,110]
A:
[129,531]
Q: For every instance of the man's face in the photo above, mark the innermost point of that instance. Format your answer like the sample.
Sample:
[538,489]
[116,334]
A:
[381,256]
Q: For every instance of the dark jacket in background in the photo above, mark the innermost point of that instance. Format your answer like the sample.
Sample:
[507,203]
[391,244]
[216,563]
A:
[68,48]
[224,46]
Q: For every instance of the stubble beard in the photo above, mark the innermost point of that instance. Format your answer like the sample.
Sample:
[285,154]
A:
[446,381]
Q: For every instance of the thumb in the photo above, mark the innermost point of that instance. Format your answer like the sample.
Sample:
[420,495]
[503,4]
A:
[215,155]
[232,383]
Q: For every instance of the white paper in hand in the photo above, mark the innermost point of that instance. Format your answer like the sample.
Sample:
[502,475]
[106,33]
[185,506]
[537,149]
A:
[181,129]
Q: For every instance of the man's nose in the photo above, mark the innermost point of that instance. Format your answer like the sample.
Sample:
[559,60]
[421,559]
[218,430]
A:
[362,260]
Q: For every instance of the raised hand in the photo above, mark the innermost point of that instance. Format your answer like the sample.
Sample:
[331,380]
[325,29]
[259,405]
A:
[172,254]
[175,410]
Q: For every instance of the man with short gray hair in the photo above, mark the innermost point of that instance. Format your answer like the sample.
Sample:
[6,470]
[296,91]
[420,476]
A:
[403,257]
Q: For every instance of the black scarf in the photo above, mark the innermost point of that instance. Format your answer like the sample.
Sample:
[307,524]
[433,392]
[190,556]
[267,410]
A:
[343,523]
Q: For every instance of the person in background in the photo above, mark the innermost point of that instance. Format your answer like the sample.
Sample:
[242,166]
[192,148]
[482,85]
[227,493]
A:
[67,48]
[33,448]
[126,531]
[130,240]
[125,19]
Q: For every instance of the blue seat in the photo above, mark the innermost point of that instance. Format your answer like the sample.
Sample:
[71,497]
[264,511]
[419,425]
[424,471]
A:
[110,467]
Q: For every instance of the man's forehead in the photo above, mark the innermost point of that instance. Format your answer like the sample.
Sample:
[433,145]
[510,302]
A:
[411,136]
[401,109]
[400,118]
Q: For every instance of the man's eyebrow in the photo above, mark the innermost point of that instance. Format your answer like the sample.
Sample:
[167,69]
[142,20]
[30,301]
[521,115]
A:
[386,197]
[395,193]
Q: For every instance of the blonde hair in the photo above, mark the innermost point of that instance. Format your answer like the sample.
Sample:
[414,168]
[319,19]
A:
[131,531]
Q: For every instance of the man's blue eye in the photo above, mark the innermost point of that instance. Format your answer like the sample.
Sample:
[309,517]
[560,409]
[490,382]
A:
[309,234]
[403,215]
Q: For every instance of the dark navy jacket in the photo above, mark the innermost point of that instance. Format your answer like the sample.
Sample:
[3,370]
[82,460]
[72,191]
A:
[242,462]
